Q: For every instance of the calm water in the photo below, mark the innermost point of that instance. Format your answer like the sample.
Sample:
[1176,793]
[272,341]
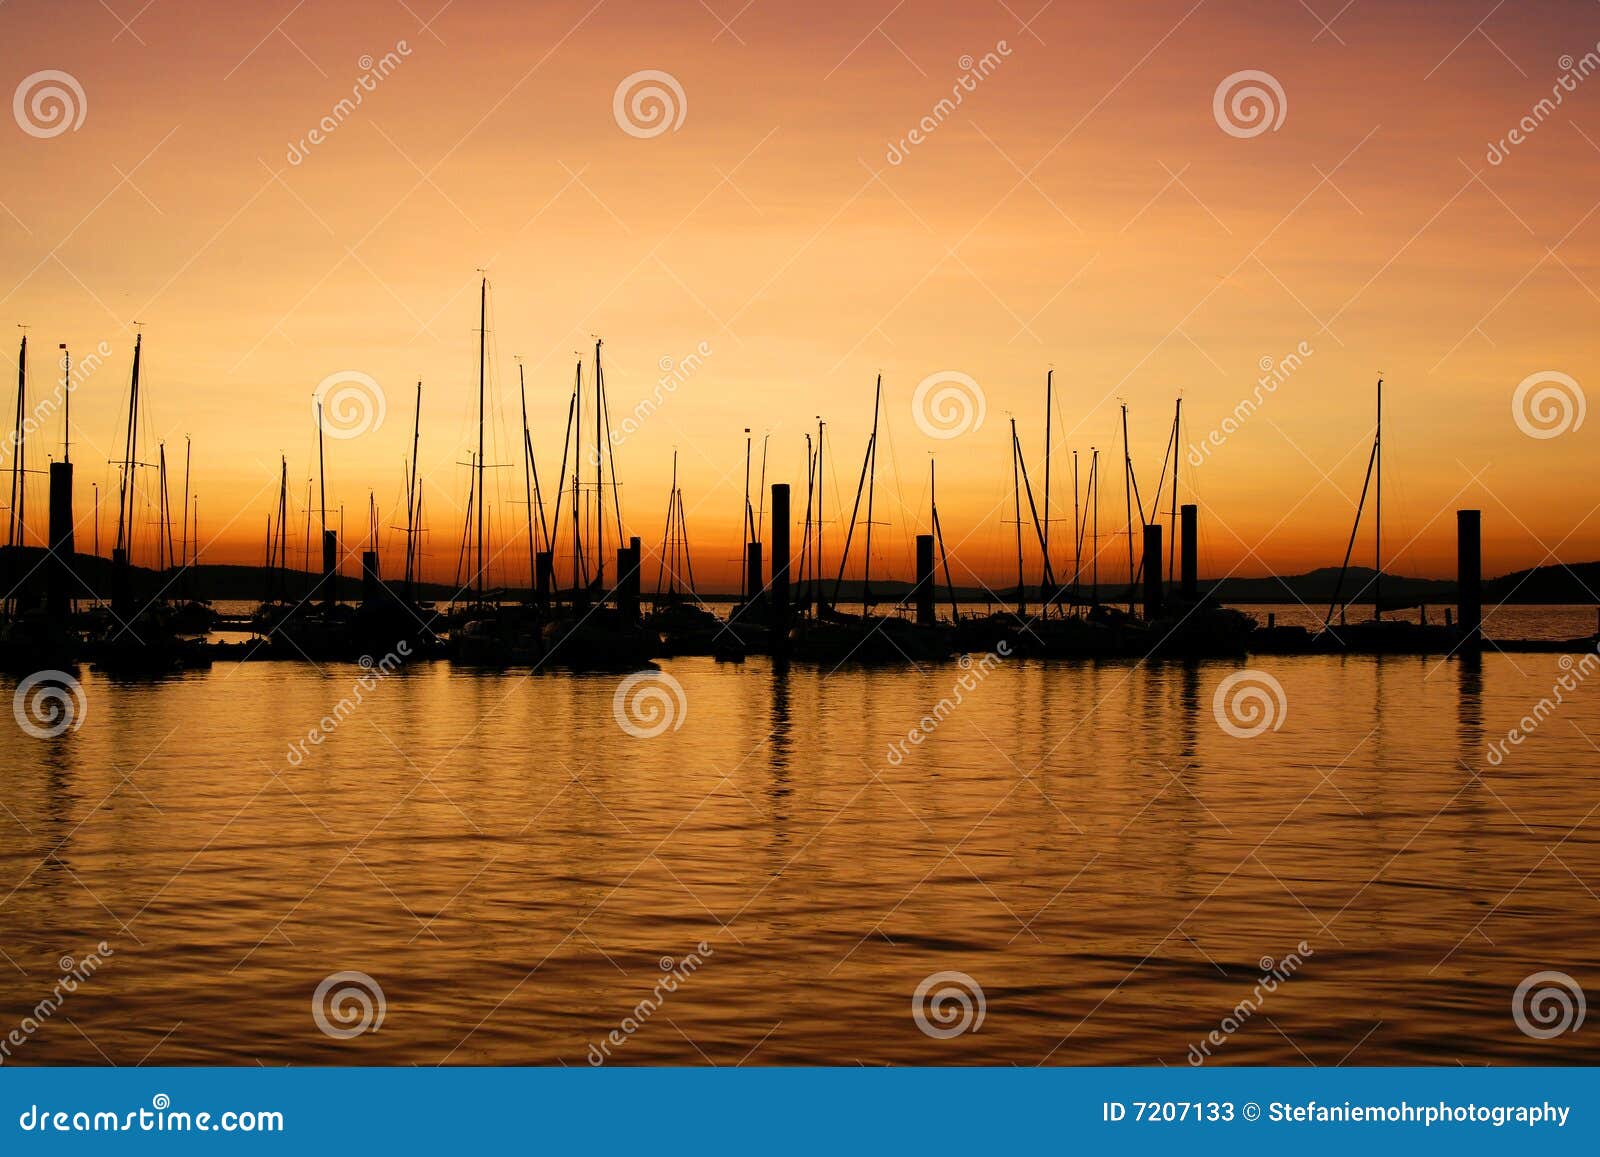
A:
[1085,842]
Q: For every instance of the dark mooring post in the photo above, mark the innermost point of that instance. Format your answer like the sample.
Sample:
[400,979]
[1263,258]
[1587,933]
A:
[1188,547]
[752,572]
[1469,575]
[544,567]
[369,576]
[925,583]
[779,593]
[58,599]
[1152,571]
[330,567]
[628,581]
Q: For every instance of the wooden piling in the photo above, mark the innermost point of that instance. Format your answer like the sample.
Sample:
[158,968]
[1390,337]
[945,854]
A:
[1469,576]
[1152,571]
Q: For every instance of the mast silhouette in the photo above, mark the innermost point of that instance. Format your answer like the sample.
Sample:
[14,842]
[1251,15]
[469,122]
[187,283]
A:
[483,332]
[18,481]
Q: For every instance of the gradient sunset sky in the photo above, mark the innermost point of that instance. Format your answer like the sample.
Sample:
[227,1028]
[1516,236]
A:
[1083,208]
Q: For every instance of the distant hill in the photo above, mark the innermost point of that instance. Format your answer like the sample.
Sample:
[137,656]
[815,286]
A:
[1574,584]
[1577,584]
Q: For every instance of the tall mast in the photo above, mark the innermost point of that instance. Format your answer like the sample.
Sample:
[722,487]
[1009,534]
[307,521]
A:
[599,475]
[1377,520]
[527,480]
[1172,534]
[577,438]
[1016,497]
[745,522]
[283,527]
[1077,534]
[669,556]
[322,477]
[125,496]
[183,555]
[483,330]
[163,514]
[820,492]
[411,496]
[872,479]
[1048,394]
[18,482]
[1127,491]
[1094,564]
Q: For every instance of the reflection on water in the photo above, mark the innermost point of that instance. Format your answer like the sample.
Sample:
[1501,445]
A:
[1083,841]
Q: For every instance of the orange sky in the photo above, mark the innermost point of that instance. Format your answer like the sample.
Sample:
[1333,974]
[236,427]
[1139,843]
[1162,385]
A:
[1082,208]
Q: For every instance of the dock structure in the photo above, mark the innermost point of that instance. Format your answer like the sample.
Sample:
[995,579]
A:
[1469,577]
[1189,551]
[924,589]
[778,593]
[1152,571]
